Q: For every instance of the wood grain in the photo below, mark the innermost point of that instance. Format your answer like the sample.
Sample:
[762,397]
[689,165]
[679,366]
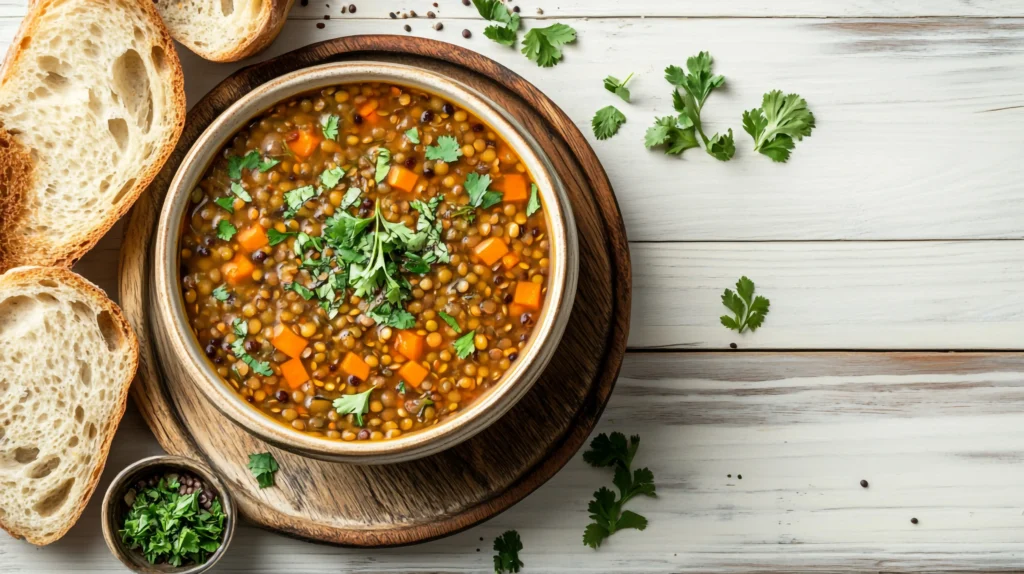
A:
[410,502]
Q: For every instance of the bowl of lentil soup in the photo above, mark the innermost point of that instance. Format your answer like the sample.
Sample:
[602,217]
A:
[364,262]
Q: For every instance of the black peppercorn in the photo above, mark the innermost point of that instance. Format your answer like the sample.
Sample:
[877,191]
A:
[913,521]
[408,28]
[864,483]
[352,8]
[466,33]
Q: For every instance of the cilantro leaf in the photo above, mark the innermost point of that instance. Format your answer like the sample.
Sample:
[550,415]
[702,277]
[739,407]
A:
[329,126]
[358,405]
[240,192]
[351,197]
[606,122]
[697,83]
[779,121]
[613,85]
[227,203]
[296,198]
[543,45]
[276,236]
[259,367]
[225,230]
[392,316]
[383,164]
[303,292]
[451,321]
[263,466]
[677,134]
[606,509]
[612,450]
[237,164]
[428,223]
[479,196]
[329,178]
[221,293]
[464,346]
[507,547]
[267,164]
[240,327]
[446,150]
[722,147]
[413,135]
[494,11]
[533,206]
[748,311]
[505,35]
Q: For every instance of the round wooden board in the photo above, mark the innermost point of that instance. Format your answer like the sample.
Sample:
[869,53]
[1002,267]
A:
[416,501]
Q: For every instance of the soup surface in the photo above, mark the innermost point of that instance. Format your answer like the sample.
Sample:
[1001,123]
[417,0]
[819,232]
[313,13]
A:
[364,261]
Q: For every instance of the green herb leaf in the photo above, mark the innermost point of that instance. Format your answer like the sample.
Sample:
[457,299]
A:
[351,197]
[358,405]
[464,346]
[479,196]
[543,45]
[722,147]
[748,311]
[505,35]
[392,316]
[276,236]
[779,121]
[259,367]
[413,135]
[677,134]
[329,126]
[401,388]
[263,466]
[533,206]
[303,292]
[329,178]
[221,293]
[383,164]
[237,164]
[227,203]
[267,164]
[606,510]
[494,11]
[240,192]
[225,230]
[612,450]
[436,250]
[507,547]
[697,83]
[296,198]
[240,327]
[451,321]
[613,85]
[606,122]
[446,150]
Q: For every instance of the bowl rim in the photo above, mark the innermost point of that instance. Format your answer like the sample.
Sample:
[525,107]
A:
[481,413]
[122,482]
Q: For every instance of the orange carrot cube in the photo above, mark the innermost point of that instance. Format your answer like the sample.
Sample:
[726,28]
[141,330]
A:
[510,260]
[514,187]
[305,144]
[252,238]
[413,373]
[402,178]
[238,269]
[286,341]
[490,250]
[294,373]
[410,345]
[528,295]
[354,365]
[515,310]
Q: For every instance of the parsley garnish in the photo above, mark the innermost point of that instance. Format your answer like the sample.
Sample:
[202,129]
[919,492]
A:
[258,367]
[464,346]
[263,467]
[401,388]
[696,86]
[383,164]
[606,122]
[225,230]
[413,134]
[276,236]
[237,164]
[351,197]
[749,312]
[358,405]
[778,121]
[267,164]
[543,45]
[533,206]
[675,133]
[505,32]
[302,291]
[605,510]
[221,293]
[329,178]
[479,196]
[166,526]
[451,321]
[392,316]
[240,192]
[329,126]
[428,223]
[227,202]
[507,547]
[613,85]
[240,327]
[446,150]
[296,198]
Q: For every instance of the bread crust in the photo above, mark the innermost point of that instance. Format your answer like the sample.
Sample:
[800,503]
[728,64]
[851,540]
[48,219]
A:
[16,249]
[22,276]
[273,14]
[15,183]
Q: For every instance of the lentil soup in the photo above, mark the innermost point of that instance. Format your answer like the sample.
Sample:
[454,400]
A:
[364,261]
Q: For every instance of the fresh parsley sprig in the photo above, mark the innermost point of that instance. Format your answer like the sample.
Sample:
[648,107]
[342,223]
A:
[606,510]
[258,367]
[296,198]
[357,404]
[606,122]
[507,547]
[507,27]
[329,126]
[464,345]
[446,150]
[383,164]
[263,466]
[225,230]
[748,311]
[780,120]
[696,84]
[617,87]
[479,196]
[544,45]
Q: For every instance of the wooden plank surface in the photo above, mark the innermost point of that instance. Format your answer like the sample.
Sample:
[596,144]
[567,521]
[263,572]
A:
[938,437]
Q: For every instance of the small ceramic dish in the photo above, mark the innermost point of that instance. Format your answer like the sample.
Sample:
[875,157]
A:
[176,342]
[122,489]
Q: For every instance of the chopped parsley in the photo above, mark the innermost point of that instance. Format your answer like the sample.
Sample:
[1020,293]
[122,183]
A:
[413,135]
[303,292]
[543,45]
[351,197]
[240,327]
[221,293]
[446,150]
[263,466]
[296,198]
[606,122]
[504,32]
[428,223]
[507,547]
[329,126]
[225,230]
[479,196]
[329,178]
[236,164]
[258,367]
[267,164]
[401,388]
[383,164]
[227,203]
[606,509]
[780,120]
[240,192]
[533,206]
[392,316]
[696,84]
[275,236]
[464,346]
[613,85]
[675,133]
[451,321]
[358,405]
[748,311]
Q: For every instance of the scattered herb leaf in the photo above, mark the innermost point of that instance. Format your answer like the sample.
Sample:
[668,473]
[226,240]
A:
[392,316]
[606,122]
[221,293]
[533,206]
[240,327]
[351,197]
[479,196]
[358,405]
[329,126]
[240,192]
[606,510]
[296,198]
[697,84]
[446,150]
[237,164]
[675,133]
[464,346]
[225,230]
[383,164]
[226,202]
[329,178]
[543,45]
[303,292]
[263,466]
[413,135]
[267,164]
[259,367]
[613,85]
[780,120]
[507,547]
[451,321]
[276,236]
[748,311]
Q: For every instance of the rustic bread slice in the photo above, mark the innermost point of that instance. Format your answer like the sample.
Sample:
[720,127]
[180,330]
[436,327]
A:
[67,359]
[92,95]
[224,30]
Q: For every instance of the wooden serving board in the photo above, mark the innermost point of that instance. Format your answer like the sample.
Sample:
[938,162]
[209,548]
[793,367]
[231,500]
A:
[416,501]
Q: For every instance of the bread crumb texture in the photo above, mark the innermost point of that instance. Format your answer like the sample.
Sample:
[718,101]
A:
[216,29]
[65,366]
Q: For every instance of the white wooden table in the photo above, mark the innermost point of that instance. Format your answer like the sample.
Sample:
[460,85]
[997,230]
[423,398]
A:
[891,249]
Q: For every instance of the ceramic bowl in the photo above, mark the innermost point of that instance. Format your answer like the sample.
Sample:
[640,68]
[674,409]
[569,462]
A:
[176,342]
[115,507]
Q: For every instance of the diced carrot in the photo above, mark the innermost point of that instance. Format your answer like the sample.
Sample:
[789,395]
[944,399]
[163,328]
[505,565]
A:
[510,260]
[402,178]
[490,250]
[238,269]
[294,373]
[528,294]
[253,237]
[413,373]
[395,91]
[355,366]
[410,345]
[514,187]
[515,310]
[286,341]
[305,144]
[368,111]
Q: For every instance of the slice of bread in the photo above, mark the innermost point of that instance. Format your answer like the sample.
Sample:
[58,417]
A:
[92,97]
[224,30]
[67,359]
